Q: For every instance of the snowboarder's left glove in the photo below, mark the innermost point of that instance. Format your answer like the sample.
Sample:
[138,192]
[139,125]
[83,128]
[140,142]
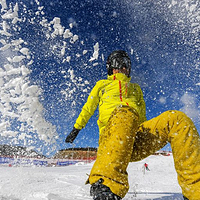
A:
[73,134]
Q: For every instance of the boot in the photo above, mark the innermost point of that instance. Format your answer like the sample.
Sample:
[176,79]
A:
[102,192]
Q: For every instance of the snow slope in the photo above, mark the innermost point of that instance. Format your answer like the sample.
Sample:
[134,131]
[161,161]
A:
[68,183]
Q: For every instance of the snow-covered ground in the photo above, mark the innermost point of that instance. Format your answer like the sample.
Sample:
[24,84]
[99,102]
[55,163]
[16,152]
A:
[68,183]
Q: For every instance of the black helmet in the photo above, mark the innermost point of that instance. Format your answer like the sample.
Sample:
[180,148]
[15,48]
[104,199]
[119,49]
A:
[118,60]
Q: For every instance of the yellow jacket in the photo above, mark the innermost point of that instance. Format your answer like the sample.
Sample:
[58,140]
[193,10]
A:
[113,92]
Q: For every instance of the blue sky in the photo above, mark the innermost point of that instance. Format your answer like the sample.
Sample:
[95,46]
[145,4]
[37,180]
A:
[161,38]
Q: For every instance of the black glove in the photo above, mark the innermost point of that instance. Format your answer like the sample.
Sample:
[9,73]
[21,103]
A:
[71,137]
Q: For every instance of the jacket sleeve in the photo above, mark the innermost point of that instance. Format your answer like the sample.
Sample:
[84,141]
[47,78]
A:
[141,105]
[89,107]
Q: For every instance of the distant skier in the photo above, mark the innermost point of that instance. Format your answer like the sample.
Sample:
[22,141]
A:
[146,166]
[126,136]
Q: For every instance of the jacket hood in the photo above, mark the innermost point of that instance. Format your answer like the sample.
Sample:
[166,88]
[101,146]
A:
[119,76]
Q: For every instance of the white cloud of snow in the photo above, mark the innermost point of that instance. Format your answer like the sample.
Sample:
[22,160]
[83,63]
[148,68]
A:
[19,99]
[190,106]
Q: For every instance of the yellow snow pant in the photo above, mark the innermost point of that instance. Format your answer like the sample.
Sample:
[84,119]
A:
[124,141]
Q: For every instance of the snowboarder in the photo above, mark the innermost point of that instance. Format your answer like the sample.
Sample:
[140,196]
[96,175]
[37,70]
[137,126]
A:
[126,136]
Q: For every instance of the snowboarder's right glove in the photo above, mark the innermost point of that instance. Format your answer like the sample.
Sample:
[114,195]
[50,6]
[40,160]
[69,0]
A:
[73,134]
